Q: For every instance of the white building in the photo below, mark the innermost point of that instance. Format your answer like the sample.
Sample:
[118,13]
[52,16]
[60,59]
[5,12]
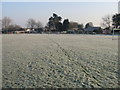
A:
[119,7]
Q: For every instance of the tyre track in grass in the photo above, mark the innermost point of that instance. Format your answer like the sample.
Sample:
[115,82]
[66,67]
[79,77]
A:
[92,78]
[102,78]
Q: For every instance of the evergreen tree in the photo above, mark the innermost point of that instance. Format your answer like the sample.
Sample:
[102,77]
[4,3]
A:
[65,24]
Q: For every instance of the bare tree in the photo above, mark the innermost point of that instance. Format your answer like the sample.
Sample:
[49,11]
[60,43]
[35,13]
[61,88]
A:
[73,25]
[6,21]
[106,21]
[0,24]
[39,25]
[31,23]
[14,27]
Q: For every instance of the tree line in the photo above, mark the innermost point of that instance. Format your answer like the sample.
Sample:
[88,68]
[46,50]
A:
[55,24]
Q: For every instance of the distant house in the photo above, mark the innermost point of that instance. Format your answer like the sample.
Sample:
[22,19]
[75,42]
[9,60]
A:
[13,31]
[75,28]
[18,32]
[92,30]
[107,31]
[30,31]
[70,32]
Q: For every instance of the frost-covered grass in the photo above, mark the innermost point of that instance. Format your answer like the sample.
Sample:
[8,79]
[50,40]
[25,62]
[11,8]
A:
[60,61]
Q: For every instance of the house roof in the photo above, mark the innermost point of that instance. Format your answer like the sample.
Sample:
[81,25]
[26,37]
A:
[91,28]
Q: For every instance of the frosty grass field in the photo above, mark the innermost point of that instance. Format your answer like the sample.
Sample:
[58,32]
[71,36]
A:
[65,61]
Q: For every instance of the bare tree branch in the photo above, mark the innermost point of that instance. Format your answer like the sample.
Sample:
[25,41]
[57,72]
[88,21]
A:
[39,24]
[31,23]
[106,21]
[6,21]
